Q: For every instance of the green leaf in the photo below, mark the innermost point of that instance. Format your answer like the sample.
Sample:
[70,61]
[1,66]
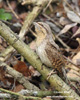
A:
[2,10]
[4,15]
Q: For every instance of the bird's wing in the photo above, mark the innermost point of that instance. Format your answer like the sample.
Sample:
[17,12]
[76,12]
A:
[55,57]
[57,60]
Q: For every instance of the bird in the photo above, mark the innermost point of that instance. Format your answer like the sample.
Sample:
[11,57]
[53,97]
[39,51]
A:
[48,51]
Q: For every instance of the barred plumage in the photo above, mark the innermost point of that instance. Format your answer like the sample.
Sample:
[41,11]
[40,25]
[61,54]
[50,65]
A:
[48,50]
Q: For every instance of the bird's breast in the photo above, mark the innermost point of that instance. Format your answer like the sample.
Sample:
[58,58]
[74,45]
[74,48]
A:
[42,54]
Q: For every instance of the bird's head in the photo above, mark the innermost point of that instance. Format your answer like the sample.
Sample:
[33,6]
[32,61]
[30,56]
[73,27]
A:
[42,31]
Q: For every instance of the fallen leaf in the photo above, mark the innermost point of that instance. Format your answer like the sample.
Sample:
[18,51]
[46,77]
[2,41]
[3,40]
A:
[74,71]
[23,16]
[73,17]
[71,14]
[64,21]
[66,28]
[77,32]
[22,68]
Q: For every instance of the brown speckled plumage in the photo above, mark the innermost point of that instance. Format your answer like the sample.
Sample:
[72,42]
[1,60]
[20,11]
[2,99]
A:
[55,57]
[48,50]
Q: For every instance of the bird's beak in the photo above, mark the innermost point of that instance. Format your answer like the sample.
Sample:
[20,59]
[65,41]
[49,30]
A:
[37,26]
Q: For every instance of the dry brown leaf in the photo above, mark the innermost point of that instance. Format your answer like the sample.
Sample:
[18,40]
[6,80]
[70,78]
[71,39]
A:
[71,14]
[77,32]
[22,68]
[34,72]
[23,16]
[74,68]
[73,17]
[66,28]
[18,88]
[64,21]
[1,48]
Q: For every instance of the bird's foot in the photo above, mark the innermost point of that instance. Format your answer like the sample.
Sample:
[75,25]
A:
[52,72]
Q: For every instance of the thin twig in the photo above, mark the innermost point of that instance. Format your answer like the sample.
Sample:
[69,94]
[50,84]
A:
[32,32]
[12,10]
[17,95]
[32,58]
[47,5]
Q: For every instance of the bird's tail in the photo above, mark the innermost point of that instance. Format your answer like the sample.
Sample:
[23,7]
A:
[63,75]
